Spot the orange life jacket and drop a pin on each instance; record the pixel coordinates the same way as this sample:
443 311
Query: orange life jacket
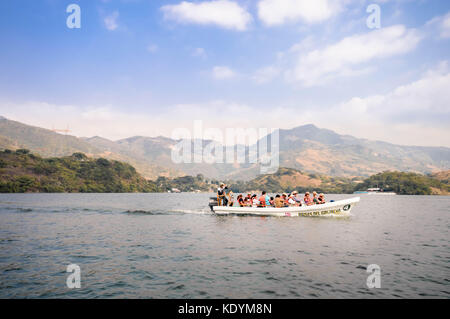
262 201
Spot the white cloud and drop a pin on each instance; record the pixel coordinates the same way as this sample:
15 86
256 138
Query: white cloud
277 12
110 21
345 57
110 122
266 74
223 73
429 94
199 52
223 13
84 121
97 114
152 48
416 113
443 25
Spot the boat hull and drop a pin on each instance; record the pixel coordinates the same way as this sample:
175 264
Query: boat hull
342 207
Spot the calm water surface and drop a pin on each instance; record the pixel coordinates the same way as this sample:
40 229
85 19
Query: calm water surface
170 246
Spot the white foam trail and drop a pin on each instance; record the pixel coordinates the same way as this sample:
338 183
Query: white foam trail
195 212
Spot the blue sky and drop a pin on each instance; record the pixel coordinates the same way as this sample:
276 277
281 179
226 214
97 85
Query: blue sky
146 67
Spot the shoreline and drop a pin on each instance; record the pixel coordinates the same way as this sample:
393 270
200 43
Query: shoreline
211 193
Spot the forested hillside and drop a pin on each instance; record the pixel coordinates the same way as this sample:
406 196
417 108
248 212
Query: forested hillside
21 171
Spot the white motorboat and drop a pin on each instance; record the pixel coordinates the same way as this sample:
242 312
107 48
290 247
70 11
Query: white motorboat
341 207
375 191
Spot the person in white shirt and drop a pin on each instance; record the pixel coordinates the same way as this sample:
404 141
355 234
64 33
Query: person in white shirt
291 201
255 201
297 198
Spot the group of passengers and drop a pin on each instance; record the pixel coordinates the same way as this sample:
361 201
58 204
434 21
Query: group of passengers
264 200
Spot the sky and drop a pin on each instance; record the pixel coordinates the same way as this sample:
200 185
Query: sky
148 67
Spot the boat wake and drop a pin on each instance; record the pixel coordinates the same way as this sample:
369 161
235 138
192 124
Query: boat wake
147 212
167 212
194 212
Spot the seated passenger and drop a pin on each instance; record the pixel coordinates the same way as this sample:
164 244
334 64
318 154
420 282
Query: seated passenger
248 200
244 199
296 198
230 199
240 200
264 200
292 201
271 201
278 202
307 199
321 199
268 201
255 201
315 199
284 197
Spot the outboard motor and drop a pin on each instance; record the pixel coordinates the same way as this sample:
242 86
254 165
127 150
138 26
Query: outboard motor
213 202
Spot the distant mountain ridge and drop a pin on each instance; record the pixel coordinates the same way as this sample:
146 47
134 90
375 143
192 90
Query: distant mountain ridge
42 141
15 135
306 148
312 149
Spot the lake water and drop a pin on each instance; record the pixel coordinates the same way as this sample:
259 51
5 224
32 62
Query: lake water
170 246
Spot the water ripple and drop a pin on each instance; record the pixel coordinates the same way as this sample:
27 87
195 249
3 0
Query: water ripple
171 246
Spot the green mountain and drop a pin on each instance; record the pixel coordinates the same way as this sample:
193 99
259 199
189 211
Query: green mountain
288 180
406 184
21 172
24 172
